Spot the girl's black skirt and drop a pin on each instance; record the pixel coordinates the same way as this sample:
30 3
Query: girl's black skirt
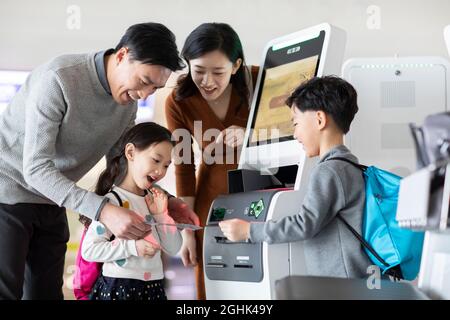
107 288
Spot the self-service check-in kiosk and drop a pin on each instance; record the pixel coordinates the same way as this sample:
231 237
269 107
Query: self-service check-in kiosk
273 170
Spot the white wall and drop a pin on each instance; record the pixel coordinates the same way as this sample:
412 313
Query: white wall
32 32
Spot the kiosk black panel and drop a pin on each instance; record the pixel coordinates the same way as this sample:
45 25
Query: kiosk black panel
235 261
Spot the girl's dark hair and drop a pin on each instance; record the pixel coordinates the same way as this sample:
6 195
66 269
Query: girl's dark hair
206 38
152 43
142 136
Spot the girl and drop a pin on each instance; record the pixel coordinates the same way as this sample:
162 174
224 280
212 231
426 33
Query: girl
132 269
216 93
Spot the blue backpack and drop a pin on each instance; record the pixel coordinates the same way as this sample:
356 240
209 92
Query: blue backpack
397 251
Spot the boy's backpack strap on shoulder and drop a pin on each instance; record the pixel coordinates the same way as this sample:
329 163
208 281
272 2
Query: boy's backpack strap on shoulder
359 166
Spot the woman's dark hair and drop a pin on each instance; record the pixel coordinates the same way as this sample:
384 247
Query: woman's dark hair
330 94
142 136
206 38
152 43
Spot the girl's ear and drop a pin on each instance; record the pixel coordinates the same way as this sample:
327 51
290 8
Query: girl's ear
322 120
129 151
236 66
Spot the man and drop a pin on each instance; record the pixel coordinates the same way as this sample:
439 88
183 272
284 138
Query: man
65 118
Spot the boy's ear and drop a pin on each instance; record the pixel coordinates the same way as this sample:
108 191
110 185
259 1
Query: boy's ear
129 151
322 120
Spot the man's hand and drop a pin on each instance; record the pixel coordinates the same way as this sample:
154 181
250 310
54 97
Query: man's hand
181 213
124 223
235 229
146 249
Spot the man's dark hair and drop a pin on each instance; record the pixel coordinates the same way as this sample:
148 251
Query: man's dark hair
151 43
329 94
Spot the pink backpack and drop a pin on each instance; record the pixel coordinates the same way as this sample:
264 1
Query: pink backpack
86 273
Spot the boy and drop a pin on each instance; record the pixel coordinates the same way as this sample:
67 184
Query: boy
322 110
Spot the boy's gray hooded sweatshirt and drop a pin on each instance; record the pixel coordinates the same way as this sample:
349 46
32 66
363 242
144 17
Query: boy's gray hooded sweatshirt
330 248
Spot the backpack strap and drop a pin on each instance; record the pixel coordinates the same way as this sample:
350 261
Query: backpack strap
116 195
393 271
357 165
362 241
349 227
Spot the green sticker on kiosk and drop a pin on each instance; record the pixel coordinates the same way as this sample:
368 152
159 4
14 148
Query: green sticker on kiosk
218 214
256 208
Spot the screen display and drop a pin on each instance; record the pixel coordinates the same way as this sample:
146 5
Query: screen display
284 70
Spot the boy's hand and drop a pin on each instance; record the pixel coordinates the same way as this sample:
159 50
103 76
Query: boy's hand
235 229
145 249
156 201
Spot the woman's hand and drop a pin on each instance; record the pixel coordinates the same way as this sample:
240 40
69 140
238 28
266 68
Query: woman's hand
156 201
188 249
233 136
181 211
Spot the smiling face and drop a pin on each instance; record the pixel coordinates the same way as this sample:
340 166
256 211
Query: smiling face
131 80
306 130
148 166
211 73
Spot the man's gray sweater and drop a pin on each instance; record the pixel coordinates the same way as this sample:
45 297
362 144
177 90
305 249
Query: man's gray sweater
330 248
57 127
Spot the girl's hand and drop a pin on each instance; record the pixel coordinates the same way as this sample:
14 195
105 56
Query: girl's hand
145 249
156 201
188 250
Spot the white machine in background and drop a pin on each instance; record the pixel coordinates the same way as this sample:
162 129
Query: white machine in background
447 37
273 170
393 92
424 203
424 200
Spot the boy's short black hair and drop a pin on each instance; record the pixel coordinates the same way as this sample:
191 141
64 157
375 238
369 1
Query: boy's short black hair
329 94
152 43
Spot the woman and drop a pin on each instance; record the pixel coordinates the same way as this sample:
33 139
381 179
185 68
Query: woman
211 102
